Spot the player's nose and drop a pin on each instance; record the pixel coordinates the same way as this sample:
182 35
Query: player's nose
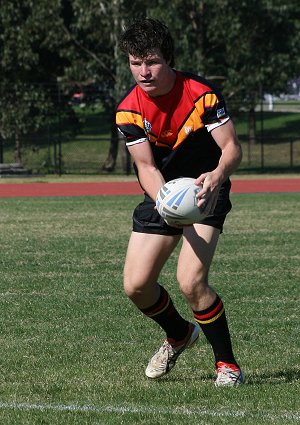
144 71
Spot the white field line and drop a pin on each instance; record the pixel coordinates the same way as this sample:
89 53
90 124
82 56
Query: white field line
150 410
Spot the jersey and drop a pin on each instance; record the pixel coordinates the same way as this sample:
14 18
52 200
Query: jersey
178 125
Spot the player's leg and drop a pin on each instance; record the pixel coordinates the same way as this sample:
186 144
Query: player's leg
196 254
198 248
146 256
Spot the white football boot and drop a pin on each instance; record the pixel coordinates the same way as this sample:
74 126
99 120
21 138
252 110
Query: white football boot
165 358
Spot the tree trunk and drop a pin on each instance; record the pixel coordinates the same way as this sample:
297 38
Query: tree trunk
126 158
110 162
252 127
18 149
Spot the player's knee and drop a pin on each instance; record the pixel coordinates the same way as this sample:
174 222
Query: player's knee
193 285
130 289
133 287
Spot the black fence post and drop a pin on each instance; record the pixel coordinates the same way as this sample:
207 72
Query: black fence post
59 129
1 150
262 153
291 153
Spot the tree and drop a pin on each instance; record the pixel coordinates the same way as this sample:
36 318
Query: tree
29 41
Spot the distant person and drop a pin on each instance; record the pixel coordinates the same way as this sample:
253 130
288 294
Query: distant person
176 125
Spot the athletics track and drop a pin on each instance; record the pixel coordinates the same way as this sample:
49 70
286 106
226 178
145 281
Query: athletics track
10 190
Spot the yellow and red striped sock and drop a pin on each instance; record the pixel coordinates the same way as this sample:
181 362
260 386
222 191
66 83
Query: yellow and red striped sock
214 325
165 314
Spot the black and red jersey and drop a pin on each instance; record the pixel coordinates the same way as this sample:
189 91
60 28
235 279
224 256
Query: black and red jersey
177 125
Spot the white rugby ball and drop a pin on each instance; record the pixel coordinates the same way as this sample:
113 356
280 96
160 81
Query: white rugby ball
177 202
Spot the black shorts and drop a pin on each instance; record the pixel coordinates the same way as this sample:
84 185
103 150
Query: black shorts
147 220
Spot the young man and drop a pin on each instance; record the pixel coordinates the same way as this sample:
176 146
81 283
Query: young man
176 125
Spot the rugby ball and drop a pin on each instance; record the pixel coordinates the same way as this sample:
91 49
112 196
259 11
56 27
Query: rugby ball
177 202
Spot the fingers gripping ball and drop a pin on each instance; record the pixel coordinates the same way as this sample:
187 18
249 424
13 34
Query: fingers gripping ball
176 202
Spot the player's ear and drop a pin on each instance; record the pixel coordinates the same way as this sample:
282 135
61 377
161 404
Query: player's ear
171 62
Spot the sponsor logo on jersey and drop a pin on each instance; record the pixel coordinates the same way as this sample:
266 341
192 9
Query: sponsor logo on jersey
147 126
166 133
188 130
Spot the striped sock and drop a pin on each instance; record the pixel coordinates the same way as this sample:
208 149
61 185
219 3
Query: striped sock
214 325
165 314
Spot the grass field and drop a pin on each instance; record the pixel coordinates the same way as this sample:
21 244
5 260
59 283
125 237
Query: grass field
73 348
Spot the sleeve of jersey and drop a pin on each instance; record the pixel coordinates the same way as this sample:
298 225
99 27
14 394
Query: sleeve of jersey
215 112
130 124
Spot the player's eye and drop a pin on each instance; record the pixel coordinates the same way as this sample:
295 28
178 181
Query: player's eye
152 62
135 63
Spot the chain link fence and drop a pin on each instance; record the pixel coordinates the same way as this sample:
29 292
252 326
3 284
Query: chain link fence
86 143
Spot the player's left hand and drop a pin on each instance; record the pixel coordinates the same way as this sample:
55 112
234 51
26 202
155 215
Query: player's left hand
208 195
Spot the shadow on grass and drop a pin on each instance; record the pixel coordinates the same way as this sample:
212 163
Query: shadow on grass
257 378
274 377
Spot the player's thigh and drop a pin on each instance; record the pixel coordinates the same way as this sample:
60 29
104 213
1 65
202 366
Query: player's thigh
198 248
146 256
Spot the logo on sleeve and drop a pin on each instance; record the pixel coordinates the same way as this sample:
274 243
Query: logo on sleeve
221 113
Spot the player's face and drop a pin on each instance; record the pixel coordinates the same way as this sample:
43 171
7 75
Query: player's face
152 73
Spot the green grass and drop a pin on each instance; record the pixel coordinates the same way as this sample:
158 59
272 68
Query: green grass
73 348
275 125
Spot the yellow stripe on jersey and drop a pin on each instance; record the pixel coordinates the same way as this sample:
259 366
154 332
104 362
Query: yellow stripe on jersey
210 100
129 117
192 124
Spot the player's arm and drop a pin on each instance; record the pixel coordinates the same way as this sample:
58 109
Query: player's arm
231 156
226 138
149 175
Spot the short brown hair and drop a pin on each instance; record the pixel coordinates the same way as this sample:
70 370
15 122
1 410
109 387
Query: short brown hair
145 35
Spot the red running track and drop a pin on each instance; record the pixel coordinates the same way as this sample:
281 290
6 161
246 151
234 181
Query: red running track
10 190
